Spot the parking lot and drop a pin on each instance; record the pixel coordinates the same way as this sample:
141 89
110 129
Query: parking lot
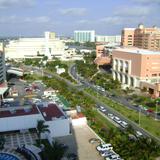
79 143
21 93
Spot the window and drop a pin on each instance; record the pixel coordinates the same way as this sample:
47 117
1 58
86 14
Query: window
154 75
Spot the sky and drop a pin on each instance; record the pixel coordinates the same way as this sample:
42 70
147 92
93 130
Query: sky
106 17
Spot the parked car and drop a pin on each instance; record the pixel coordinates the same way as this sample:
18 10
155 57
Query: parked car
106 153
113 157
104 147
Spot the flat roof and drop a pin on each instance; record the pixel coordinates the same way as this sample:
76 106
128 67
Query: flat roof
138 51
18 112
51 111
129 28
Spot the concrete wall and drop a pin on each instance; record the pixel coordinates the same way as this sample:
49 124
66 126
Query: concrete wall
59 127
19 122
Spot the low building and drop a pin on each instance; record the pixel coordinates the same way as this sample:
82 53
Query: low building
109 39
135 67
22 118
49 92
60 70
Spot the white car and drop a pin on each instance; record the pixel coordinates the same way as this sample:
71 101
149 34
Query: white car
124 124
106 153
118 121
104 147
139 134
113 157
117 118
111 116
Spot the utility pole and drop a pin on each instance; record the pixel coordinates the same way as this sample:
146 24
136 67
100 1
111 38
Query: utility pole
156 110
140 114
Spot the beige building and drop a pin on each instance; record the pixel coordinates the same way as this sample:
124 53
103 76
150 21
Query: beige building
139 68
102 55
142 37
127 38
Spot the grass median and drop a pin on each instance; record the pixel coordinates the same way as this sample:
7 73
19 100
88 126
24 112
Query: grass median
146 122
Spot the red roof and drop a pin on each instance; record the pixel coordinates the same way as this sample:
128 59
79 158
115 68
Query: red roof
18 112
52 111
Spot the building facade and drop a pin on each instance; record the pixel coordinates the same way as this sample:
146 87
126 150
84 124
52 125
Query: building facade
137 68
24 118
22 48
108 39
3 84
127 37
84 36
2 64
142 37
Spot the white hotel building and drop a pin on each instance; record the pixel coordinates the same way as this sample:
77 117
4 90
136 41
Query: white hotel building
25 118
22 48
84 36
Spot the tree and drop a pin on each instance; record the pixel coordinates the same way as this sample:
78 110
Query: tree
55 151
2 142
41 128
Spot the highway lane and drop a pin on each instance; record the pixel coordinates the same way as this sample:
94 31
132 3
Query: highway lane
121 100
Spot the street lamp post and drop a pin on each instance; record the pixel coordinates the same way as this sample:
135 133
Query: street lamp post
156 110
140 115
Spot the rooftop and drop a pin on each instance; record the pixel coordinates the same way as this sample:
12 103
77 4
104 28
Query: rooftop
18 112
50 112
135 50
129 28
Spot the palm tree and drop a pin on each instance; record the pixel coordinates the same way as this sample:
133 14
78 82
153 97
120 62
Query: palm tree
55 151
41 128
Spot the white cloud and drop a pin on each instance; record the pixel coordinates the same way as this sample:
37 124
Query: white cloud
147 1
133 11
74 11
17 20
83 21
112 20
120 20
14 3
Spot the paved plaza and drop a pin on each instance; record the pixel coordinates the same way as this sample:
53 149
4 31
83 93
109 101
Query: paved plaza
19 139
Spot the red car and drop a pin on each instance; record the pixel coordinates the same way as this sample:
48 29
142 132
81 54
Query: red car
150 110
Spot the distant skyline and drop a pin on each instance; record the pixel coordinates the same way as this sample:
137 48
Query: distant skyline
106 17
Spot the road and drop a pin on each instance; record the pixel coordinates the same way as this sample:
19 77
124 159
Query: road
72 71
118 99
99 103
